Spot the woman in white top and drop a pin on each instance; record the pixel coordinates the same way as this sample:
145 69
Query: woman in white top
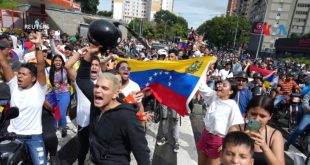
222 113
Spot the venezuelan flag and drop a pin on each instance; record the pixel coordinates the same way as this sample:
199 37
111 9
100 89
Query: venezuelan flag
183 44
265 73
173 83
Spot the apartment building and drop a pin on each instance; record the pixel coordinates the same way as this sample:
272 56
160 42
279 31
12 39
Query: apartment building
301 18
127 10
274 19
232 7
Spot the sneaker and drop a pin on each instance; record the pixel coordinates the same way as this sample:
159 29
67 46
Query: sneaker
64 132
176 147
162 141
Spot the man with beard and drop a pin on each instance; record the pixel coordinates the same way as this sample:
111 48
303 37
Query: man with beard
244 95
114 130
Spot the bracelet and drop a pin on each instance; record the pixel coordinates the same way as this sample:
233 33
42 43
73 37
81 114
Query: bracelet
38 49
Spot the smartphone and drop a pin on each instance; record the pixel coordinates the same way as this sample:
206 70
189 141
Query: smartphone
253 125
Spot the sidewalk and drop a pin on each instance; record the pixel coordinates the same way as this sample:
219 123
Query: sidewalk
164 155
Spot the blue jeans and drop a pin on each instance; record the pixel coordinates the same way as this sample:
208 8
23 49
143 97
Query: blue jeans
279 99
36 149
63 100
304 123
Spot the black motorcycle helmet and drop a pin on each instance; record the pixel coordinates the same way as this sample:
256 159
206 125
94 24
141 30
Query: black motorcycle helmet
257 75
105 33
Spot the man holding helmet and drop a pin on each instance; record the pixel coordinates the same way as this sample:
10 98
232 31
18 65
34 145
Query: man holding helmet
115 130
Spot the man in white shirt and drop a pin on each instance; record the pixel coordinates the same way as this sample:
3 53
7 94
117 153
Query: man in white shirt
30 81
226 72
129 87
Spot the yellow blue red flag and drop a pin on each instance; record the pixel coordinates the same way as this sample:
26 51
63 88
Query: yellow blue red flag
173 83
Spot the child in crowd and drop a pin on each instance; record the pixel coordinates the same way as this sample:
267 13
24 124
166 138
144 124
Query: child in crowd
238 148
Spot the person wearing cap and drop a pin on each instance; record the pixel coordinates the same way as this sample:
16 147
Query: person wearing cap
162 54
305 121
244 95
257 82
30 51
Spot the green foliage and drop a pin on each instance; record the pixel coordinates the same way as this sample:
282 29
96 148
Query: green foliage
220 31
294 35
8 4
307 35
164 16
89 6
303 60
166 25
105 13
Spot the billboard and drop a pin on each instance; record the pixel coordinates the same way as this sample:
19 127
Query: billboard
301 45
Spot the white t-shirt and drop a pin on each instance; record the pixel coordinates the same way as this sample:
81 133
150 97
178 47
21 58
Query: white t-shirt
224 74
29 56
130 87
82 108
221 114
29 102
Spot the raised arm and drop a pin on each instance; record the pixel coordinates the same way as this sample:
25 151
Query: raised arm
83 73
69 66
53 46
41 78
6 68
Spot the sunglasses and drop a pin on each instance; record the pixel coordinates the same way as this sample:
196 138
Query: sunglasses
125 68
241 80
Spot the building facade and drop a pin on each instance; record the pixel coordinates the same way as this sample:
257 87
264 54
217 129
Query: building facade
273 19
127 10
301 18
232 7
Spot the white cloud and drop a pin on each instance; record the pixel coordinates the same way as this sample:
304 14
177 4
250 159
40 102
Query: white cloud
198 11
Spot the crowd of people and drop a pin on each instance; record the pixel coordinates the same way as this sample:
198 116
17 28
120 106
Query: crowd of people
42 73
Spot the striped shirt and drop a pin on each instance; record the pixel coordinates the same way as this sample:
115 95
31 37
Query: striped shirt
287 87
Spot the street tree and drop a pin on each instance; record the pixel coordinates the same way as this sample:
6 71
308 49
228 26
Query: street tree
169 25
221 31
89 6
105 13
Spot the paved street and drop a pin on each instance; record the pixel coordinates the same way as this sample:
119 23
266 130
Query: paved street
190 129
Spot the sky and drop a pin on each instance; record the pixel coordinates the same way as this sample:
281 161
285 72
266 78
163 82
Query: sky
195 12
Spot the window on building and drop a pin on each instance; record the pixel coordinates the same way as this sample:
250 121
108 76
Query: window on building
303 5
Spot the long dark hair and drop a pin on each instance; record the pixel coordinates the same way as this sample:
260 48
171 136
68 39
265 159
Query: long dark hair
265 102
233 87
52 70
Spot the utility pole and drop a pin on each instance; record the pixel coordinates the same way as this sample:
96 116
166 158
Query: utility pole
261 33
236 32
